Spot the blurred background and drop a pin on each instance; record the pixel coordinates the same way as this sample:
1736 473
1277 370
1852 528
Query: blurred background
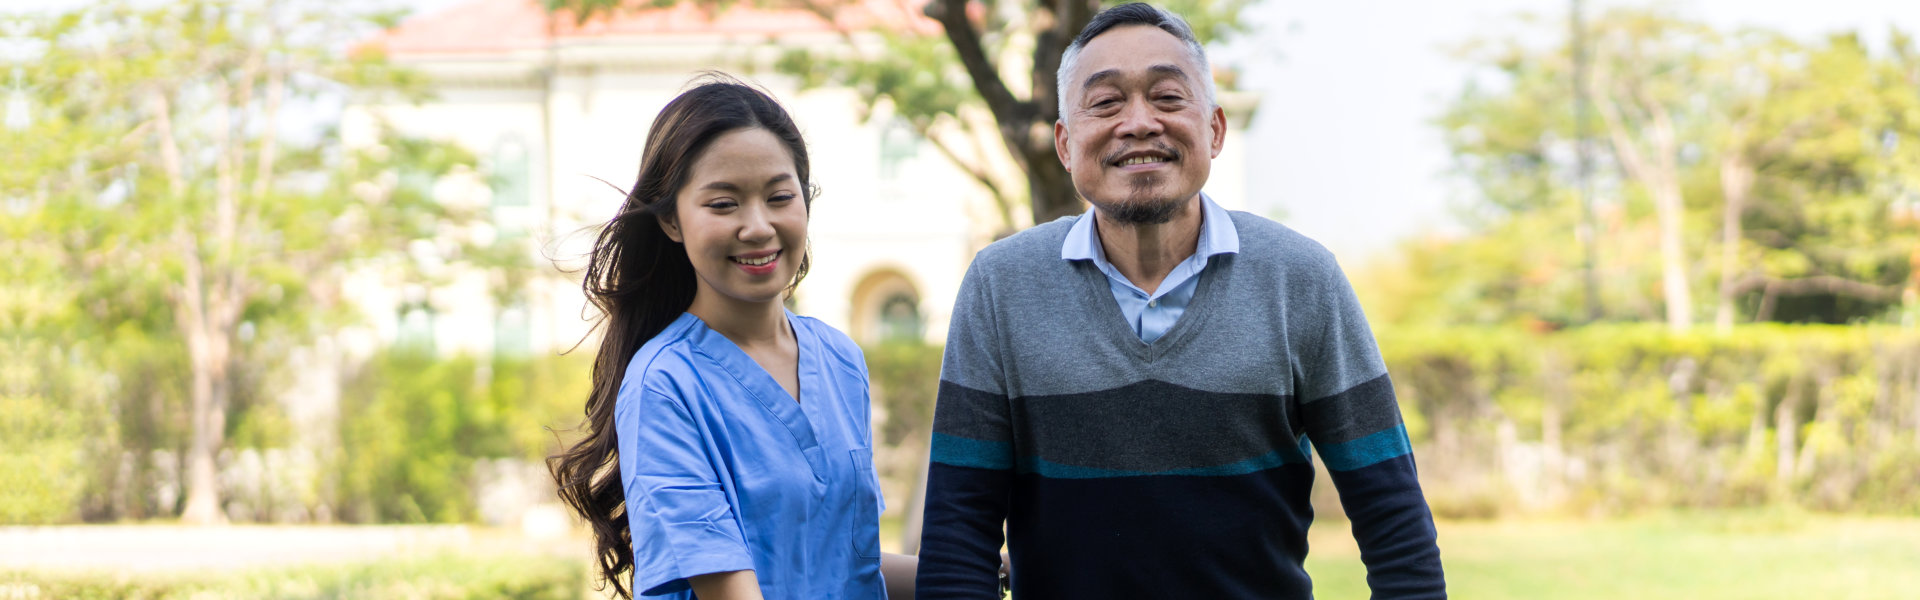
291 285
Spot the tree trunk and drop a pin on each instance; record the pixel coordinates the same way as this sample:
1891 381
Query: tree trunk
209 354
1657 168
1786 431
209 301
1051 186
1026 126
1671 209
1736 183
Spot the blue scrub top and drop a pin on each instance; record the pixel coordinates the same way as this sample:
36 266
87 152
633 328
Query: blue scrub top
724 471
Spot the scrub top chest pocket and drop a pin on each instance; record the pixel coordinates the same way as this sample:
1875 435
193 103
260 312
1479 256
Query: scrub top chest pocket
866 505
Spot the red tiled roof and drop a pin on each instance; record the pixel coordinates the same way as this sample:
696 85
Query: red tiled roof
485 26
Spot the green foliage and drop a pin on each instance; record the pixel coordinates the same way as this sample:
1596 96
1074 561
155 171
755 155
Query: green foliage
1622 417
440 577
905 378
1796 160
413 426
174 223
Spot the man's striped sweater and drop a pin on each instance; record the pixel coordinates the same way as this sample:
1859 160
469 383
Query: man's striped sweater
1175 469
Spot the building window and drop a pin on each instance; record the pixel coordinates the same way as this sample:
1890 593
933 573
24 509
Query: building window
886 308
900 319
898 144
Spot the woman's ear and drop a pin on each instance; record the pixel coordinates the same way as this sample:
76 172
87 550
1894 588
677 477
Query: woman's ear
672 230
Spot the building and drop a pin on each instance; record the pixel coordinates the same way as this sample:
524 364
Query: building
558 110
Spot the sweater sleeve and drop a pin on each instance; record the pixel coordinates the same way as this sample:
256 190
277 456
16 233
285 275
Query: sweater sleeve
1353 420
971 470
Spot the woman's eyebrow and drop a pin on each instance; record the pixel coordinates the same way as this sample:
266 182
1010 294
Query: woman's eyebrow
728 186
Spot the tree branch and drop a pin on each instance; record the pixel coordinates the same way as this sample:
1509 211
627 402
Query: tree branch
269 140
1623 145
978 173
1818 284
169 147
1012 114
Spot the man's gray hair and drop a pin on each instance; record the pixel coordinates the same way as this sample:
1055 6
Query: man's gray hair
1136 13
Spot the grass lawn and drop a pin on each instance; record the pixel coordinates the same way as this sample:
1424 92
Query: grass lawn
1703 555
442 576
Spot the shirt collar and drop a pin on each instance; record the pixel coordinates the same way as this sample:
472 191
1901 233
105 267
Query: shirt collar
1217 235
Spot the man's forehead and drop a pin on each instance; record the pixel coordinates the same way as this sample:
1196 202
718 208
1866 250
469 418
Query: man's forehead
1134 50
1133 40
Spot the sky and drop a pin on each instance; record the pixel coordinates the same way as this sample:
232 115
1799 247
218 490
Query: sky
1343 149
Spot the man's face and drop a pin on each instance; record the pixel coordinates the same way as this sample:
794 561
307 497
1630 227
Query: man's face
1139 136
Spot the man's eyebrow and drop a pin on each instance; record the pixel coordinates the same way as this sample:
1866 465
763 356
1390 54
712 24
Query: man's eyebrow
1170 70
1162 70
1097 78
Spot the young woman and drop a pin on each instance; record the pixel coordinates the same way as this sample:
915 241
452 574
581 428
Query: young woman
727 450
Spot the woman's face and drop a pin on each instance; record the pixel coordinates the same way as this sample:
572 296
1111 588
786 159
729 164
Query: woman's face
742 218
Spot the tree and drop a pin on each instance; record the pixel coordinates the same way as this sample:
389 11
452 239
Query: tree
1642 80
1799 150
182 183
991 69
1815 148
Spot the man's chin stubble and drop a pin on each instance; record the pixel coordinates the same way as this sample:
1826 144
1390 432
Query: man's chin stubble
1141 207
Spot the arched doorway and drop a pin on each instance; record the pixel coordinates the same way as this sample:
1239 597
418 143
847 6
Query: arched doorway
886 308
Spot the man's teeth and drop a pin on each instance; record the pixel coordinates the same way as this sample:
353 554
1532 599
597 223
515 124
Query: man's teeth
1141 160
756 261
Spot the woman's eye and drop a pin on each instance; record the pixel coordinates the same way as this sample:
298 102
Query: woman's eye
780 198
721 204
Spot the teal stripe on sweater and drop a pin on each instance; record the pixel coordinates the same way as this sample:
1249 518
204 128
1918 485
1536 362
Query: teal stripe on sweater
1253 465
965 452
1374 448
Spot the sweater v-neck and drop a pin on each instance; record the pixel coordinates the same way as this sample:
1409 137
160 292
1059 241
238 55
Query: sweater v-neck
1114 324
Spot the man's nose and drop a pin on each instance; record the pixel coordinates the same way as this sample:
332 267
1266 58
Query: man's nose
1137 120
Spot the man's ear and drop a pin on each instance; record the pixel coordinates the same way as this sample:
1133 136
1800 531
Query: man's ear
1060 144
1218 123
672 230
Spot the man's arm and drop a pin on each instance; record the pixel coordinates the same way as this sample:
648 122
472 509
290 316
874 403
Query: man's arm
1353 419
971 474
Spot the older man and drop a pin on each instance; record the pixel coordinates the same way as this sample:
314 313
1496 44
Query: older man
1136 393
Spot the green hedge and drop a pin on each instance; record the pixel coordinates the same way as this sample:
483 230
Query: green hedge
412 427
1615 417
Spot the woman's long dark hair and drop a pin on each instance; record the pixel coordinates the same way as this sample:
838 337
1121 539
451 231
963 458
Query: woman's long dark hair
641 281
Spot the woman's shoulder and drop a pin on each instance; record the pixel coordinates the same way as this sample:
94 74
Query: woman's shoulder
663 360
839 348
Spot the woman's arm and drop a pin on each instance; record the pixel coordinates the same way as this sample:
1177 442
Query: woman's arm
731 585
899 571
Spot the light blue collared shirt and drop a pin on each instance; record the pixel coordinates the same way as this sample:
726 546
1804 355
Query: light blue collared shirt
1151 315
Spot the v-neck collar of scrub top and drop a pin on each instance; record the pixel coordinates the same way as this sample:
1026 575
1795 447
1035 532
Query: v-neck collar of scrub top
762 386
